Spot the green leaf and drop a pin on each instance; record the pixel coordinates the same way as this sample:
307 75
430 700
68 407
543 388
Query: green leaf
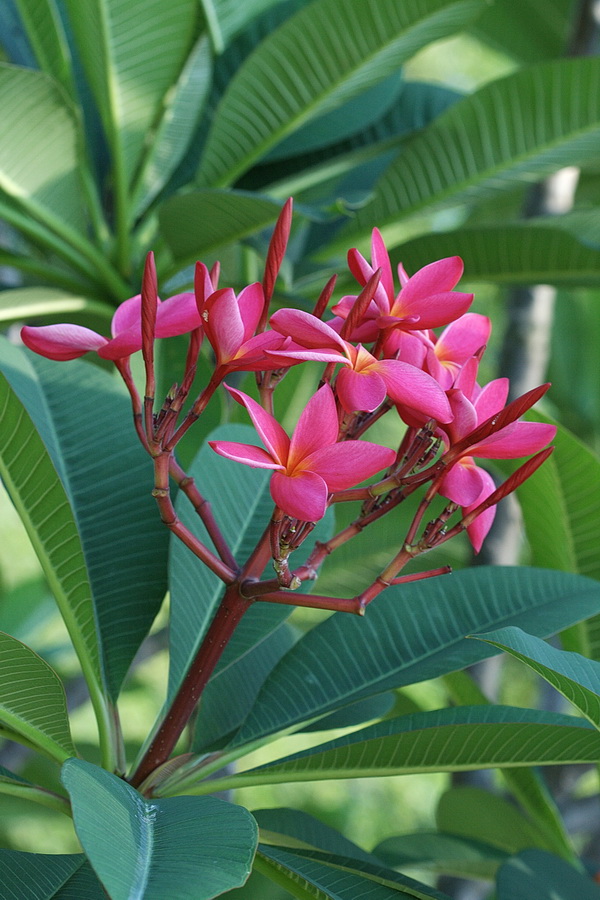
445 853
447 740
509 254
197 223
475 814
184 848
52 304
294 828
46 34
574 676
40 876
44 507
489 142
132 52
530 32
412 633
226 18
38 153
308 877
329 52
108 480
32 699
172 136
534 873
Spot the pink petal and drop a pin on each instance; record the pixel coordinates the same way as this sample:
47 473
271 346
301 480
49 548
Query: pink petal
463 338
443 374
434 310
124 344
478 530
362 271
360 391
346 464
307 330
177 315
523 438
317 427
245 453
302 496
223 324
203 286
466 380
412 387
127 316
292 357
435 278
465 416
251 301
491 399
271 433
61 342
259 353
463 483
380 260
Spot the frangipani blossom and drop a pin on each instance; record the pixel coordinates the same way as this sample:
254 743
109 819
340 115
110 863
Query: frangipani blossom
364 381
466 483
176 315
460 341
230 322
425 300
310 465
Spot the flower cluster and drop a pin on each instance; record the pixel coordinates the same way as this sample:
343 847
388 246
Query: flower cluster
380 353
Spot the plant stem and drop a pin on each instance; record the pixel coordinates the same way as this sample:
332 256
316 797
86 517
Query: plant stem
223 625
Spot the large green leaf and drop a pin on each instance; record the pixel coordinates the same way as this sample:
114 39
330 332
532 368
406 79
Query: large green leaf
197 223
108 480
44 507
447 853
509 254
294 828
185 849
574 676
534 873
38 152
226 18
132 53
464 738
330 51
411 633
46 34
53 305
32 699
489 142
179 117
530 32
309 877
40 876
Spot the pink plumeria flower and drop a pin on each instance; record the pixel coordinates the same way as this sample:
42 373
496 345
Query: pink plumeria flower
230 322
177 315
364 381
425 300
310 465
466 483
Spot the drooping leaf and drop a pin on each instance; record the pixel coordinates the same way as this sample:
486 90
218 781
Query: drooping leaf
411 633
447 740
509 254
184 848
32 699
489 142
41 876
330 51
439 852
534 873
574 676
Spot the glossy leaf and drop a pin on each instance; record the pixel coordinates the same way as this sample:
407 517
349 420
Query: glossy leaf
294 828
32 699
313 878
197 223
226 18
447 740
330 51
547 876
489 142
184 848
132 52
446 853
38 154
173 134
411 633
41 876
509 254
574 676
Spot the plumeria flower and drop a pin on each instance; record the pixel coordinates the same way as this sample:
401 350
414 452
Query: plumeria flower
310 465
230 322
466 483
364 381
177 315
425 300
